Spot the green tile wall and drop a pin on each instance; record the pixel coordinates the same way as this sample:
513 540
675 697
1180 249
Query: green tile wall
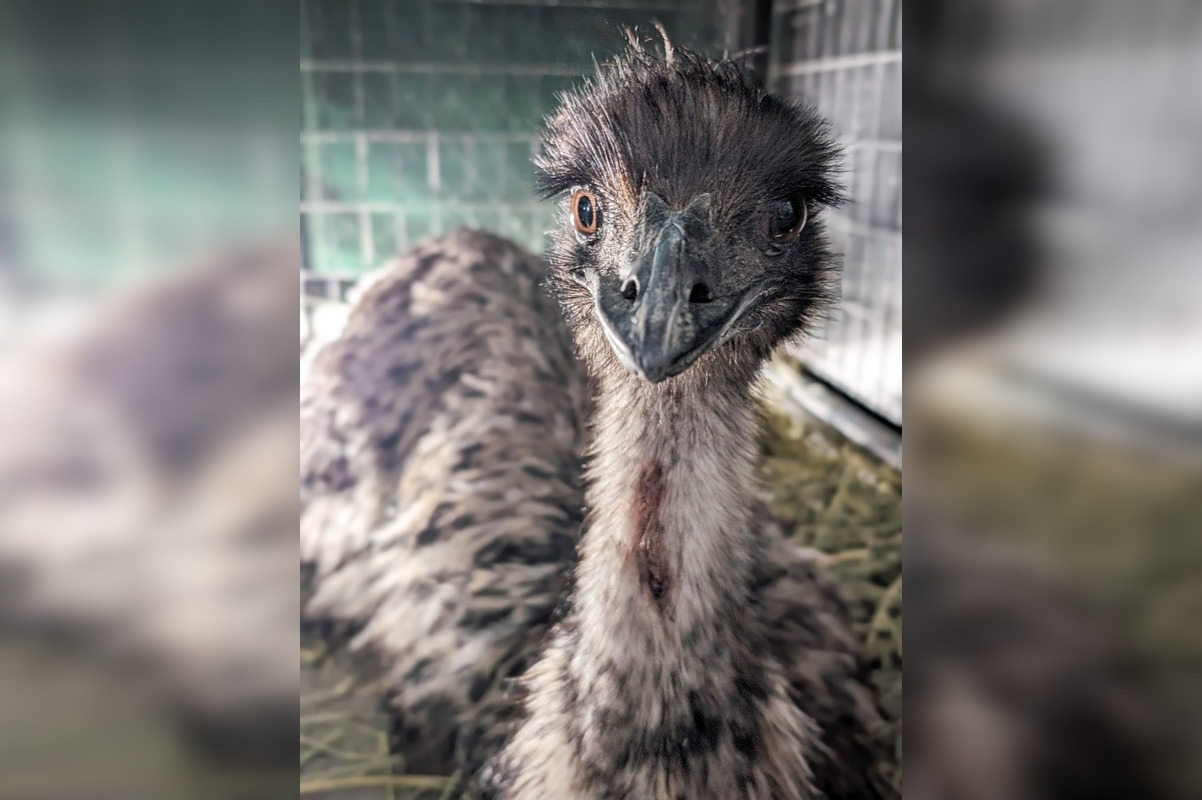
134 135
419 116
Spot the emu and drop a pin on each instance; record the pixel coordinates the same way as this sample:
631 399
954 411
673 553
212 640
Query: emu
697 653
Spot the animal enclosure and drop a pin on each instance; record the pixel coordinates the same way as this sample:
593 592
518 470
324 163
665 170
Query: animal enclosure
419 117
422 117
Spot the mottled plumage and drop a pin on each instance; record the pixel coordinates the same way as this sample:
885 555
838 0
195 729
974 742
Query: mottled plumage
147 510
739 676
701 654
439 482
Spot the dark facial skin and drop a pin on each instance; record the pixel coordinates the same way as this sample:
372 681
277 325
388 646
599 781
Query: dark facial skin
689 213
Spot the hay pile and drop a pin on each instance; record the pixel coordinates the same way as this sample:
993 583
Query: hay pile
831 496
344 736
836 498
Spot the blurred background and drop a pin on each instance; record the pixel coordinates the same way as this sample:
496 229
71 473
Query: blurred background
148 262
1053 361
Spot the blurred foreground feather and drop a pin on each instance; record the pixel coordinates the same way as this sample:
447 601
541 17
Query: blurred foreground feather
147 527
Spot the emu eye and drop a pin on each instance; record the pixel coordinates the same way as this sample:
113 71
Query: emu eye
786 218
586 215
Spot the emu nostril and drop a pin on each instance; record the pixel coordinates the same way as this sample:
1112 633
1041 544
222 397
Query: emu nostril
630 289
700 294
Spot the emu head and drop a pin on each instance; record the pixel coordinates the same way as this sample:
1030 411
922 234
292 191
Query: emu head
689 231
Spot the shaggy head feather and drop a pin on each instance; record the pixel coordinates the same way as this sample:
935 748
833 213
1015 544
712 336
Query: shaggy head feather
680 140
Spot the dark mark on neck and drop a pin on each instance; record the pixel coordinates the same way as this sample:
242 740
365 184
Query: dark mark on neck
649 550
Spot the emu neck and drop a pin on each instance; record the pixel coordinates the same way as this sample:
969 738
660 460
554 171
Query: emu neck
672 543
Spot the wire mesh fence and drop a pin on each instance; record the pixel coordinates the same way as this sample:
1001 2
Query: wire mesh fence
421 116
845 57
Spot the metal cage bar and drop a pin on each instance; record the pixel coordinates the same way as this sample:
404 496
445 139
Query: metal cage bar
844 57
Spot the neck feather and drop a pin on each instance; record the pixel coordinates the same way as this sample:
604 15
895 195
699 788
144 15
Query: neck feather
672 541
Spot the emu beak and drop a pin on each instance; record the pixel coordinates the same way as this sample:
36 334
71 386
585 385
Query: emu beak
661 316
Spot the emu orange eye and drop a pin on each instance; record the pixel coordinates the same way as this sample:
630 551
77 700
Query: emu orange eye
786 218
586 215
